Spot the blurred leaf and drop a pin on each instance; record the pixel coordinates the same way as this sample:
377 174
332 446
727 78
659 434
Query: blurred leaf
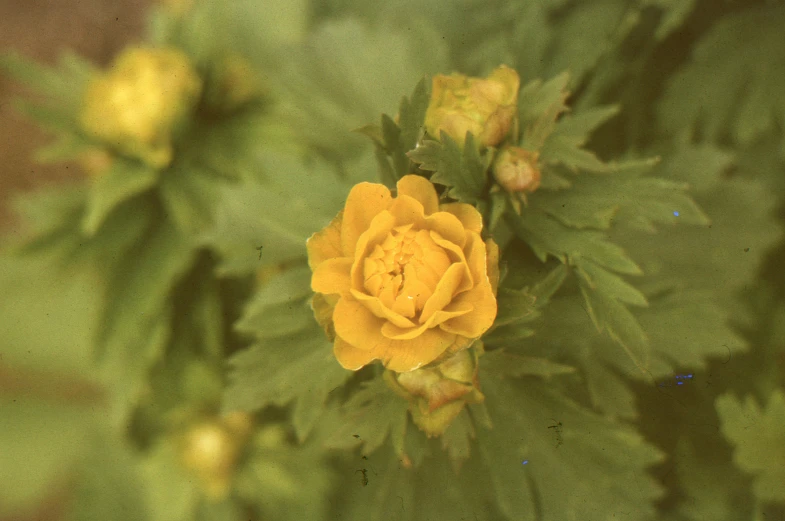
121 182
721 92
280 215
759 438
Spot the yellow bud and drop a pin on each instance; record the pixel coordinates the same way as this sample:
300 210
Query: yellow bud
135 105
211 450
516 170
437 395
486 107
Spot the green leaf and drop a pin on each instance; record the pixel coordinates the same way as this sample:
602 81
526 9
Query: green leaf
370 415
548 237
135 325
278 215
720 92
171 493
674 14
758 434
568 474
284 481
503 364
539 105
563 144
190 195
462 171
123 181
457 439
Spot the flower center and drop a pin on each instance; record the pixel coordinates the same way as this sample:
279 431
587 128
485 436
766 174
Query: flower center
404 269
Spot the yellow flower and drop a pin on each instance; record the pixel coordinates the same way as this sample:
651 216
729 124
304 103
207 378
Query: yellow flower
403 280
516 170
486 107
211 450
437 395
138 102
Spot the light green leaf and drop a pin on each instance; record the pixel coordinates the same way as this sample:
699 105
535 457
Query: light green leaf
758 434
123 181
278 215
539 105
190 195
462 171
502 363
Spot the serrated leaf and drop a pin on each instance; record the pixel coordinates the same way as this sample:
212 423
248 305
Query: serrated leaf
463 172
299 367
600 279
548 237
411 114
514 306
121 182
758 434
543 465
371 415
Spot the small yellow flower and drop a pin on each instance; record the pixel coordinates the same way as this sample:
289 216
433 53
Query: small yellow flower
211 450
437 395
486 107
135 106
403 280
516 170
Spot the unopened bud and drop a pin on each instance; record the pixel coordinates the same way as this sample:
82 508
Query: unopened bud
516 170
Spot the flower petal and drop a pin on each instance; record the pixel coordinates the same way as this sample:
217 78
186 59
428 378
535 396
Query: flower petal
350 357
332 276
365 201
356 324
325 244
407 211
474 324
445 289
399 333
378 229
421 189
459 258
476 257
375 306
407 355
466 213
448 226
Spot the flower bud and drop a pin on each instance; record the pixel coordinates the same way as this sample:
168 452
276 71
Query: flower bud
135 106
211 450
516 170
486 107
437 395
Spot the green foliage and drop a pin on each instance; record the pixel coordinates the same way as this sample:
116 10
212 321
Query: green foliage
721 93
463 171
290 349
758 435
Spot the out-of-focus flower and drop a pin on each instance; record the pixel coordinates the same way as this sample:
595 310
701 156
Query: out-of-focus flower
437 395
237 83
516 170
135 106
211 450
404 280
486 107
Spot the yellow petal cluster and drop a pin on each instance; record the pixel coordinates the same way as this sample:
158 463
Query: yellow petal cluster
135 105
403 279
486 107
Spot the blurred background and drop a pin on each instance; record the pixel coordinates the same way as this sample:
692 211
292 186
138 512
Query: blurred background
40 30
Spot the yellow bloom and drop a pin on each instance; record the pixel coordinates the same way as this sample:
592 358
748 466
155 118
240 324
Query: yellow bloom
136 105
516 170
404 280
437 395
486 107
211 450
